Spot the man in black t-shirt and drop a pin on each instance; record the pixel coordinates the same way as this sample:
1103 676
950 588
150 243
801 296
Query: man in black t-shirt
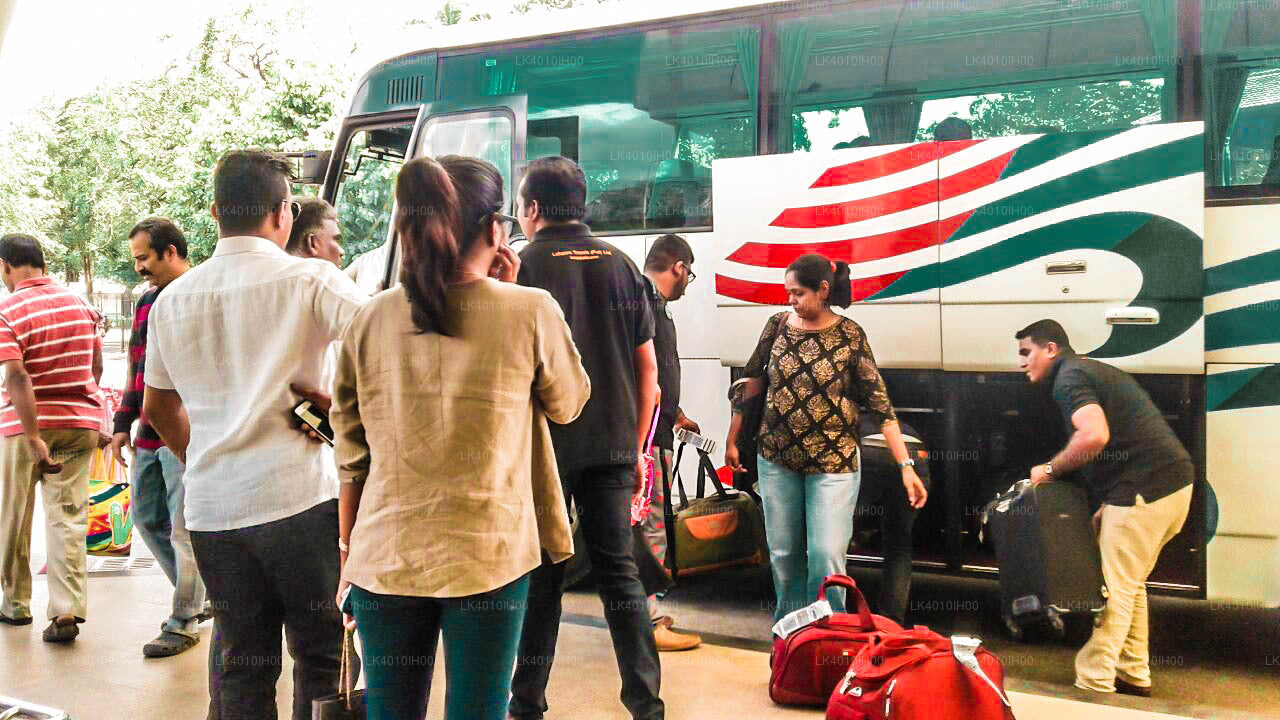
1134 464
601 454
669 269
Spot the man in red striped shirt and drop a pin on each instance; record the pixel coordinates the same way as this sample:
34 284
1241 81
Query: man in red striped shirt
50 416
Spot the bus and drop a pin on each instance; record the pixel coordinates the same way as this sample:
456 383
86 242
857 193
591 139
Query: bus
1119 171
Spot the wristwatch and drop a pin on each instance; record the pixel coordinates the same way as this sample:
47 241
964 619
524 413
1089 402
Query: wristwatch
906 463
1048 469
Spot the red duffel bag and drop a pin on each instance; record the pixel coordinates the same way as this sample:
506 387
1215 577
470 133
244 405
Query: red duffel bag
810 662
918 674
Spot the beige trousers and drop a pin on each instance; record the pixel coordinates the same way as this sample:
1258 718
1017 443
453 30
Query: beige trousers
66 510
1130 540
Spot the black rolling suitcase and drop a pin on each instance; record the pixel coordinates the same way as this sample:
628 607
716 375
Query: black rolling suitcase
1048 556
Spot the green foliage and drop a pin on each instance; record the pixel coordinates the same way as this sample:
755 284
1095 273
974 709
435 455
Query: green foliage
80 174
1068 108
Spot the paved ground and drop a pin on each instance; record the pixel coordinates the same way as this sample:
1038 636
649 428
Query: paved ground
1208 661
103 676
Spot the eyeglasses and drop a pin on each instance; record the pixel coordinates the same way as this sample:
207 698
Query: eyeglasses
692 275
295 207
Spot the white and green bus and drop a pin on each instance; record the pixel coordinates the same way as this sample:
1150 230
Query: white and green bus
1122 176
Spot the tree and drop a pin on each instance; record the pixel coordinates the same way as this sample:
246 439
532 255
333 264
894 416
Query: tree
1068 108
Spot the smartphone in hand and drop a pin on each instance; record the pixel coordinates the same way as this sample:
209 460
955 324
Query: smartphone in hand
316 419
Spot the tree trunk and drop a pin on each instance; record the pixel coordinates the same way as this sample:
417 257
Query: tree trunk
88 276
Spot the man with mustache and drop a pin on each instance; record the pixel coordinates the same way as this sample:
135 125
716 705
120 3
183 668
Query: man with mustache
159 252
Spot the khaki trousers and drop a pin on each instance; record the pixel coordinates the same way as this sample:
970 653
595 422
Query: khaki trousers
1130 540
66 510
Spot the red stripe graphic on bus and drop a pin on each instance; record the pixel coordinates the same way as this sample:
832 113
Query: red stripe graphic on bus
873 247
853 250
894 162
776 293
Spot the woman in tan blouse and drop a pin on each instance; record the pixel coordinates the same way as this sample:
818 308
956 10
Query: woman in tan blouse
450 493
816 367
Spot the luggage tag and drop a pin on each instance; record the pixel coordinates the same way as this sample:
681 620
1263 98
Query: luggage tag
803 617
965 650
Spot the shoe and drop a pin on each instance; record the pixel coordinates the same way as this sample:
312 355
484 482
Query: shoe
203 617
61 632
15 621
168 644
669 640
1127 688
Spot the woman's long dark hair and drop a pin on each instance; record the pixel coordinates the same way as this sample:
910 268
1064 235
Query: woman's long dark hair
426 220
479 187
812 269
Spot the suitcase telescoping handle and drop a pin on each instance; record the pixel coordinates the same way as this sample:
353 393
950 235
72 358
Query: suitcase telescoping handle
846 582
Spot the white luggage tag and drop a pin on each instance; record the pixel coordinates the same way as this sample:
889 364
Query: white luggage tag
965 650
803 617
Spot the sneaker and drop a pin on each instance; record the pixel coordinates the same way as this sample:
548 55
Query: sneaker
59 632
669 640
169 644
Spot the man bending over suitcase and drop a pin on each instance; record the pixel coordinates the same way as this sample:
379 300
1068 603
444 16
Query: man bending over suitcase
1133 463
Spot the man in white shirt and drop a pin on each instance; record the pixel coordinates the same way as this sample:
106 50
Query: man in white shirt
227 340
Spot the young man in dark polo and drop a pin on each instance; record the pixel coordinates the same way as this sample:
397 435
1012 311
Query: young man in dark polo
1134 464
600 455
669 268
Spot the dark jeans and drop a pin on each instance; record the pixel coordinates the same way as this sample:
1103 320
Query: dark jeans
259 578
603 497
888 498
399 636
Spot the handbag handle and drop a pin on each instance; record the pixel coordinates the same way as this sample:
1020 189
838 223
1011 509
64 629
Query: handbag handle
344 672
844 581
684 499
707 468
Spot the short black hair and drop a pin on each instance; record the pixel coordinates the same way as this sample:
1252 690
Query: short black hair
666 251
953 128
312 216
21 250
1043 332
248 186
163 233
559 187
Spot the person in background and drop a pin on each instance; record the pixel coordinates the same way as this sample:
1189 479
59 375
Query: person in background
953 128
159 251
315 233
52 415
450 491
601 454
226 343
1135 467
816 367
669 269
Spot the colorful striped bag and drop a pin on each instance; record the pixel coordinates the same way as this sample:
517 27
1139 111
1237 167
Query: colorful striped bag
110 522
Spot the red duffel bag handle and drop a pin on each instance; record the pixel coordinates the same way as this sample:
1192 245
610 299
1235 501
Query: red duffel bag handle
846 582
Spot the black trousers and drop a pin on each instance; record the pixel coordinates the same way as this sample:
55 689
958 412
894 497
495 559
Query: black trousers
603 497
888 499
262 578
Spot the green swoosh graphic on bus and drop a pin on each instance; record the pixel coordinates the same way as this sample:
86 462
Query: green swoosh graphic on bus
1170 160
1239 389
1168 254
1051 147
1243 326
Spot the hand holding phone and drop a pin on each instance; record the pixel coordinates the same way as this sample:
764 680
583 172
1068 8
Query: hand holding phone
316 419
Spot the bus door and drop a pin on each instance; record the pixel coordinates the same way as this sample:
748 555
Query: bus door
490 128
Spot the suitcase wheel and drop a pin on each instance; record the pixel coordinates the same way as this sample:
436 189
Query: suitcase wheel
1058 627
1015 630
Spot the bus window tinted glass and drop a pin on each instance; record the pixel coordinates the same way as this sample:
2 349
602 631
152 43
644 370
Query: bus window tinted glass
888 71
480 135
644 114
1241 42
366 191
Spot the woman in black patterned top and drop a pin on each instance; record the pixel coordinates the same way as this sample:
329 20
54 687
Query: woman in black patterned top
816 367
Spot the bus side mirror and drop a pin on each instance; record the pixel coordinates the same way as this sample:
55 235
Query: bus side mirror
315 164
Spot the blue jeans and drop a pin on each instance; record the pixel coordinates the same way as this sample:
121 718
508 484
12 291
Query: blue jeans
808 519
157 513
399 635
